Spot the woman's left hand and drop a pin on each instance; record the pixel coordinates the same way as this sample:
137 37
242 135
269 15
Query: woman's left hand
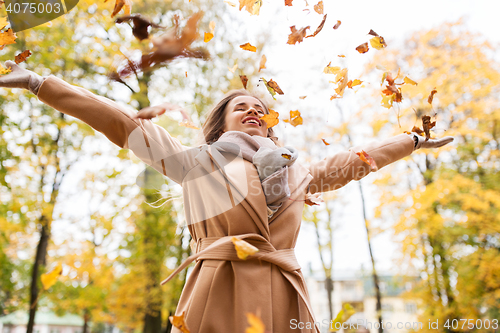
420 141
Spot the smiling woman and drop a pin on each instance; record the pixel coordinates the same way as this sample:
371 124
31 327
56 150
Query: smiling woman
240 185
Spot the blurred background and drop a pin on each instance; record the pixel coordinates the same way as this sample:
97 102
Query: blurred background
417 241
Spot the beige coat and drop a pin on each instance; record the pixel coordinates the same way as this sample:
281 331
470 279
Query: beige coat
225 200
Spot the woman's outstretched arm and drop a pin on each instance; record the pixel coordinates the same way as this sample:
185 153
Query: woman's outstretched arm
150 142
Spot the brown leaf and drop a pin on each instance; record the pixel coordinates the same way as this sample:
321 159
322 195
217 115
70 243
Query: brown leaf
22 56
373 33
319 8
319 28
431 96
302 97
141 24
275 87
244 80
417 130
248 47
337 25
363 48
427 125
296 36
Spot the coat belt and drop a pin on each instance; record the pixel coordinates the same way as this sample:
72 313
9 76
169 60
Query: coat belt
222 248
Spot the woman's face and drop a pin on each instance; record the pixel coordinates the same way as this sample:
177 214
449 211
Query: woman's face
242 114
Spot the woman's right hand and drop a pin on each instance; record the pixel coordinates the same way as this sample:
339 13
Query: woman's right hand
21 78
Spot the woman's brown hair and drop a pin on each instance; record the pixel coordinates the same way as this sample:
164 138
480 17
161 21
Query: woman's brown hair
214 124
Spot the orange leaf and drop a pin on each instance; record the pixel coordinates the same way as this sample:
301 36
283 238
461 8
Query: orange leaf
302 97
287 156
326 143
179 323
119 4
243 249
319 28
368 160
256 324
288 2
208 37
252 6
431 96
354 83
272 84
263 61
295 118
7 37
296 36
248 47
22 56
319 8
363 48
271 119
417 130
244 80
337 25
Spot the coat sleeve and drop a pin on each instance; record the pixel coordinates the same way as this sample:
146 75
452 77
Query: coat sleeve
336 171
150 142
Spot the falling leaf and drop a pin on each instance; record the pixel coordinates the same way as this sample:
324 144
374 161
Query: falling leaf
337 25
244 80
373 33
243 249
179 322
427 125
288 2
208 37
313 199
417 130
378 42
256 324
4 70
319 8
326 143
248 47
431 96
262 64
387 100
22 56
341 56
368 160
354 83
410 81
252 6
331 70
343 315
272 87
188 124
230 3
296 36
3 22
186 74
126 5
49 279
295 118
140 25
319 28
341 79
363 48
287 156
271 119
302 97
7 37
232 70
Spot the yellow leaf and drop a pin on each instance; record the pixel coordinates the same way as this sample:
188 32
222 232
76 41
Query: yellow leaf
295 118
232 70
387 100
342 317
378 42
179 323
252 6
211 25
331 70
271 119
208 37
3 22
410 81
7 37
354 83
256 324
243 249
49 279
4 70
248 47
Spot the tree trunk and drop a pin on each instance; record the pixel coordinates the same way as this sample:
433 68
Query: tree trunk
86 319
40 262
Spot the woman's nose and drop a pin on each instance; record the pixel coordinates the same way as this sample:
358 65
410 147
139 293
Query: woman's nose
252 110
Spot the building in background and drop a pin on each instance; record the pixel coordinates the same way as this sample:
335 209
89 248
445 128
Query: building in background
45 322
358 290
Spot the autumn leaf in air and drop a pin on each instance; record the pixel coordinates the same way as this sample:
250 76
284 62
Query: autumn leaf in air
272 87
368 160
326 143
243 249
252 6
256 324
302 97
248 47
271 119
288 2
363 48
141 24
340 79
373 33
244 80
230 3
4 70
295 118
378 42
331 70
296 36
232 70
49 279
427 125
354 83
431 96
21 57
319 28
337 25
7 37
210 35
126 5
410 81
179 323
319 8
263 61
3 22
343 315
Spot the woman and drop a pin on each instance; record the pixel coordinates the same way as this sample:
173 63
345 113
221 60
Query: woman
238 184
